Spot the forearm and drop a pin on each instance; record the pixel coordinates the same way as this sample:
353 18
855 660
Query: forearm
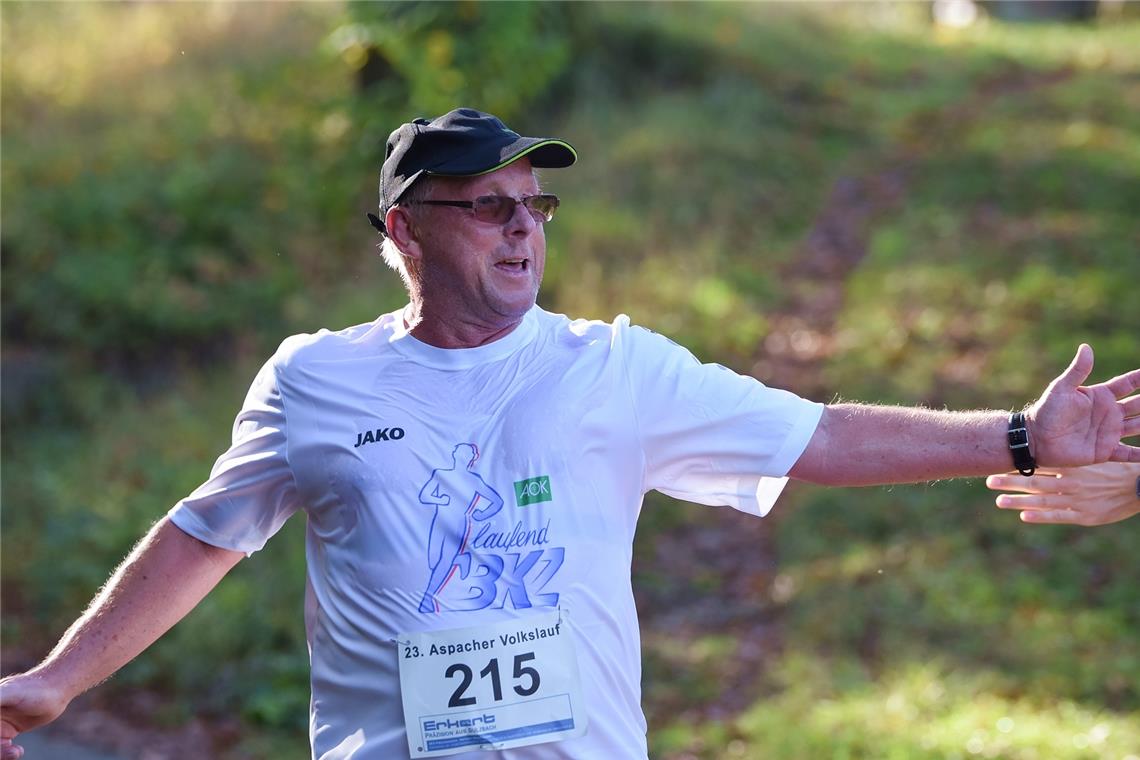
158 584
859 444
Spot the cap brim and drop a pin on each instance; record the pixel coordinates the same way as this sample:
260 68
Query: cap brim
544 153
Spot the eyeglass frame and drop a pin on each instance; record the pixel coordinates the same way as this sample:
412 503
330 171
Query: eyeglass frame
540 218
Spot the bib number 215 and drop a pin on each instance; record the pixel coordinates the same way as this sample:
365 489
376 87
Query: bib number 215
522 673
495 686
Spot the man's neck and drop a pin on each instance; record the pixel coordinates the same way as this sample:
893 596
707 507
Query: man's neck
441 332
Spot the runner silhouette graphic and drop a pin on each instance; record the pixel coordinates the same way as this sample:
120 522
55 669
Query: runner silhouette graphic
456 494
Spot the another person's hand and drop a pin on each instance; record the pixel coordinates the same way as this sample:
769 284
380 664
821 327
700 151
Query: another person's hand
1097 494
27 701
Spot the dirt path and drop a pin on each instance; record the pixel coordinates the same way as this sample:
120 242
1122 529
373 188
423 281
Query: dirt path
735 554
87 733
45 745
94 729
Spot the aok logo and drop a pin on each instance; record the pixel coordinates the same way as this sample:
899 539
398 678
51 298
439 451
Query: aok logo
379 434
533 490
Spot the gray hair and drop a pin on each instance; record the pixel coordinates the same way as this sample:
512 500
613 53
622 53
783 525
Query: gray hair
391 254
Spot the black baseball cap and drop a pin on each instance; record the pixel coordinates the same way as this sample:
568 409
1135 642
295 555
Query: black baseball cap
461 143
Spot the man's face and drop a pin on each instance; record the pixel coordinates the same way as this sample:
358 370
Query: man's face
474 272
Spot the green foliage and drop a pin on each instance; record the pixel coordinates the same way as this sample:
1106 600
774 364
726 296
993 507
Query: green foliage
179 174
927 604
432 57
185 184
143 454
1028 247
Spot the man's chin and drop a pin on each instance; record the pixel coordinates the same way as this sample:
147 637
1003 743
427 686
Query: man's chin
518 303
517 310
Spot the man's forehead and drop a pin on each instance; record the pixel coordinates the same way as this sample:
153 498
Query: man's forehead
510 180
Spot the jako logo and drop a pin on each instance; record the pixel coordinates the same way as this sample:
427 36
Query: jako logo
379 434
533 490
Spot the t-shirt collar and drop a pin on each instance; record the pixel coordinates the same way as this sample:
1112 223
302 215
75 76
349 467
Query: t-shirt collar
462 358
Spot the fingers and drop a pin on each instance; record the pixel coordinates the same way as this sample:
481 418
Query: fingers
1055 516
1125 453
10 751
1030 501
1130 427
1130 406
1121 385
1041 508
1080 369
1042 482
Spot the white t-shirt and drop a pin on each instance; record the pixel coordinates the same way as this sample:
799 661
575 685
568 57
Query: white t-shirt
454 488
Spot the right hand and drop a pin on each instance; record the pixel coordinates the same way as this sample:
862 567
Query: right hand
27 701
1096 494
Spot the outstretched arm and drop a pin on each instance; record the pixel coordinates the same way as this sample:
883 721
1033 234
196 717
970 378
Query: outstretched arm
1070 425
159 582
1097 494
861 445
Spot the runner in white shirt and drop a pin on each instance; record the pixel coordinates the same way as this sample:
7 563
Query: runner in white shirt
472 467
444 490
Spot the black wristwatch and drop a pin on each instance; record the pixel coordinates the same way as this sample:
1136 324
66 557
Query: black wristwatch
1019 445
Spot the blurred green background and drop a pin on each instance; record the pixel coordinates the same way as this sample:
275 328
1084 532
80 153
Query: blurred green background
841 199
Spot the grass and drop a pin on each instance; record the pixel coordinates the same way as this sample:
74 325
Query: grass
916 621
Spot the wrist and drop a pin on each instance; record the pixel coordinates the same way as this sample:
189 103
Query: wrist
54 678
1020 443
48 686
1031 433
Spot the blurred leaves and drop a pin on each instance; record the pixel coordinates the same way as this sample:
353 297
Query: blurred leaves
184 184
498 57
155 194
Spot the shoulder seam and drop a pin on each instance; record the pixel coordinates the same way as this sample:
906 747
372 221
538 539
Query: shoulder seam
285 419
633 405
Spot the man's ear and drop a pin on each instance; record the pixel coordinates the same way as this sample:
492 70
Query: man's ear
402 230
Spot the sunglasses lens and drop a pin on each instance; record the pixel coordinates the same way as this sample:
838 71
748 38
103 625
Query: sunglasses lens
543 205
497 209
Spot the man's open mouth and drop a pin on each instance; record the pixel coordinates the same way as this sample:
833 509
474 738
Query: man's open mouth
513 265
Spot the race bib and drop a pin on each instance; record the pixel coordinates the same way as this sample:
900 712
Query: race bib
491 687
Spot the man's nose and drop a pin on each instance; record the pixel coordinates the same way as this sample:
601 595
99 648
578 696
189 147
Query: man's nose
521 222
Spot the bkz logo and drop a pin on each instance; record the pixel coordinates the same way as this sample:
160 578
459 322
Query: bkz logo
462 541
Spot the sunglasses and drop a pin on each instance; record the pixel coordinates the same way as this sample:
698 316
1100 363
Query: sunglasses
500 209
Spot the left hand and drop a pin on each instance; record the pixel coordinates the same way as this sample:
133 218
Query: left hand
27 701
1073 424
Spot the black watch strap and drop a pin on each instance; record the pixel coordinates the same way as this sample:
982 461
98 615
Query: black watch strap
1019 444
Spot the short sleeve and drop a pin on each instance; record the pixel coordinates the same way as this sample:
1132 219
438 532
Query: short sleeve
710 435
251 492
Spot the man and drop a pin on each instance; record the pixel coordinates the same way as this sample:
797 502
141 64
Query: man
532 647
